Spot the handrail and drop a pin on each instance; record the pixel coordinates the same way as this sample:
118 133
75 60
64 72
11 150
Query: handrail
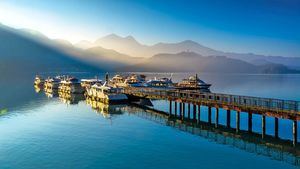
219 98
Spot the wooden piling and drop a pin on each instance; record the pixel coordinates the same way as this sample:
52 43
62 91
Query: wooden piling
217 117
209 114
250 122
237 125
228 118
263 126
295 128
276 125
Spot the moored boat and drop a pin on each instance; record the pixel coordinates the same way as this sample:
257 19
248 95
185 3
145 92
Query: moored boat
193 83
106 94
160 83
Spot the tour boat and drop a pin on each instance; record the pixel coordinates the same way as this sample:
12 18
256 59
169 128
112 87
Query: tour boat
161 82
106 94
135 80
193 83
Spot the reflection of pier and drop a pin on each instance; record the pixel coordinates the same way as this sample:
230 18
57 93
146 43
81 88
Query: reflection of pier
190 103
275 148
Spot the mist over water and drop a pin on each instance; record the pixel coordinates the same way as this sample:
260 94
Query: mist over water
41 132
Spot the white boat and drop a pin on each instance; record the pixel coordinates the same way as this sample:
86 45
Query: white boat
160 83
106 94
135 80
193 83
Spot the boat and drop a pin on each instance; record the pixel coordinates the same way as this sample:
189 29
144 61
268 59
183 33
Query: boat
193 83
132 80
106 94
39 81
117 81
70 85
86 83
160 83
135 80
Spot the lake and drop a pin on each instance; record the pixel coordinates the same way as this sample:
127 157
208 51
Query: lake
42 132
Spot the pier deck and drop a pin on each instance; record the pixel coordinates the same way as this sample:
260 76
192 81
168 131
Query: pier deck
267 106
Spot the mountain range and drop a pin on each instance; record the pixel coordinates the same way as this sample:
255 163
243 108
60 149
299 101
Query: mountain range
130 46
30 51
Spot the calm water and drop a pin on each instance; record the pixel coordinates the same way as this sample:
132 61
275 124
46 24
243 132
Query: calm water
41 132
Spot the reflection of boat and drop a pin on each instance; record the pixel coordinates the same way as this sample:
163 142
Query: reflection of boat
70 85
107 110
37 88
39 81
161 82
86 83
51 93
193 83
106 94
52 83
70 98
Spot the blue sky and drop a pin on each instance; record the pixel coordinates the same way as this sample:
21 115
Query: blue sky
270 27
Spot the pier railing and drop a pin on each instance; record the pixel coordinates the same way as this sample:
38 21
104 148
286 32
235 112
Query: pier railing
218 99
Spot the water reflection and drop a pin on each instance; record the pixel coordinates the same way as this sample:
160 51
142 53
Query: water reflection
269 146
106 110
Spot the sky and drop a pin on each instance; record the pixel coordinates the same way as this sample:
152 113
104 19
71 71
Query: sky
269 27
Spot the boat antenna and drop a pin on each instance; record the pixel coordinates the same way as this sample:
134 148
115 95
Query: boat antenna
196 80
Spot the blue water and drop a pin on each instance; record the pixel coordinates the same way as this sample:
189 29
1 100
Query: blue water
47 133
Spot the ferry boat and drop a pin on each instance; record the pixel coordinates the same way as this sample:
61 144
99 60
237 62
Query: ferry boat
160 83
117 81
87 83
39 81
70 85
193 83
135 80
106 94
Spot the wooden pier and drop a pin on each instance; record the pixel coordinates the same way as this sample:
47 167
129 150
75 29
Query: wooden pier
286 109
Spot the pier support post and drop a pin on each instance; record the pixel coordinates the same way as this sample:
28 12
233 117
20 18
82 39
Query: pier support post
209 114
276 127
194 111
183 110
237 125
250 122
175 108
199 113
295 128
189 111
263 126
228 118
217 117
170 108
180 109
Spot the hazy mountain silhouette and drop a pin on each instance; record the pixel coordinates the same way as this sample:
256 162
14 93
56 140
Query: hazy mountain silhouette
129 46
193 62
